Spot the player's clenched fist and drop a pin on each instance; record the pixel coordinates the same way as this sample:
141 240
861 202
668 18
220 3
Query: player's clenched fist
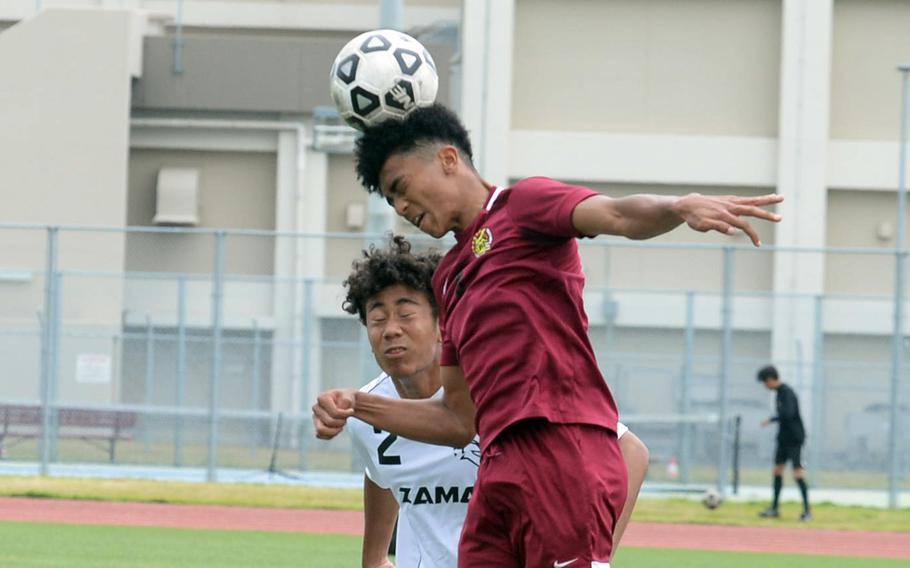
331 412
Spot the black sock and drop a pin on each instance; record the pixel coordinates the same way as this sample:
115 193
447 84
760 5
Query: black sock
778 483
804 489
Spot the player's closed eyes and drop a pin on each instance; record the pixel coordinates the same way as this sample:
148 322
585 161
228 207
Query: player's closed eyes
397 190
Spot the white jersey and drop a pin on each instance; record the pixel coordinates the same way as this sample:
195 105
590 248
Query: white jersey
432 485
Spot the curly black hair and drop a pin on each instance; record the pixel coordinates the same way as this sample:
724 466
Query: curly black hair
381 268
424 125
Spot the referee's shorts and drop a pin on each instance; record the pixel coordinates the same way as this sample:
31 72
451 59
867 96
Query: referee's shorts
791 453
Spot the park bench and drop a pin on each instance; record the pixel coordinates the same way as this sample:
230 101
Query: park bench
100 428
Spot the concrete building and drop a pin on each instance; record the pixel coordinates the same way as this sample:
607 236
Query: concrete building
626 96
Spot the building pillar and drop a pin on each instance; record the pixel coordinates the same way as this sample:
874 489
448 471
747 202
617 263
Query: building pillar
300 207
801 177
486 85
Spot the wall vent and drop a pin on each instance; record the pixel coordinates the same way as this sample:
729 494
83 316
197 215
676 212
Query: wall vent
177 197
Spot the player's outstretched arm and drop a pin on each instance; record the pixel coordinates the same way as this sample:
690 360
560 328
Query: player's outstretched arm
379 513
445 422
644 216
636 455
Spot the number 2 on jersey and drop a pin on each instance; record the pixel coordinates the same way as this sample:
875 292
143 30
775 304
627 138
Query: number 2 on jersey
388 441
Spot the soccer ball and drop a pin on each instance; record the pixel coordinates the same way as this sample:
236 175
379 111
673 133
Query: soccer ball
712 499
380 75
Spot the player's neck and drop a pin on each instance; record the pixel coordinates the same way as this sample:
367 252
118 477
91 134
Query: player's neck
423 385
476 193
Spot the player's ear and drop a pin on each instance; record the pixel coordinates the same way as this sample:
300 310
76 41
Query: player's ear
448 157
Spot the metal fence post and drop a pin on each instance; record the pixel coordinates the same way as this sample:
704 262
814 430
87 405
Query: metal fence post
737 430
50 333
611 311
686 390
897 368
149 379
178 40
255 378
818 394
215 378
305 378
726 356
900 262
181 369
257 355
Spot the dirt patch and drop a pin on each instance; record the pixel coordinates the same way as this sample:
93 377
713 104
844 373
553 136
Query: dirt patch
763 539
180 516
651 535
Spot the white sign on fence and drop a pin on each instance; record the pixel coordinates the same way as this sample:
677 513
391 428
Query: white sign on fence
93 368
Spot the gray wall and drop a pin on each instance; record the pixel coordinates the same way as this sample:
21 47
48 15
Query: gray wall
249 72
63 160
707 67
853 219
870 40
236 190
344 189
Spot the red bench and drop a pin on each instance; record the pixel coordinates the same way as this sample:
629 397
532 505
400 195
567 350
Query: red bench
21 422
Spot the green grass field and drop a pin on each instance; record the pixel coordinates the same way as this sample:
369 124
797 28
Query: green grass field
648 510
33 545
77 546
176 492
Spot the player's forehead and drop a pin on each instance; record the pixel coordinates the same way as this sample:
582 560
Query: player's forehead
396 295
402 165
391 174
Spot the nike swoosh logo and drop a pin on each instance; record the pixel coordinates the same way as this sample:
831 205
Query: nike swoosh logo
566 563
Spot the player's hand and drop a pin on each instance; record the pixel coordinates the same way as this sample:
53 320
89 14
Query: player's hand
331 412
765 422
384 564
726 213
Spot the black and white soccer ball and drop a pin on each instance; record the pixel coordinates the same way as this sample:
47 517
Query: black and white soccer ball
712 499
380 75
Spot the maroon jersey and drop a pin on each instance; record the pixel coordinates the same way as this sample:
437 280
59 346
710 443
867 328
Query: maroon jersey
512 315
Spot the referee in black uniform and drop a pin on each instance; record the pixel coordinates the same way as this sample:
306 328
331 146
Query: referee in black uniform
790 438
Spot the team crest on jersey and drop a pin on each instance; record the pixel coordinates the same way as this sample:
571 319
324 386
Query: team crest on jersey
482 241
470 453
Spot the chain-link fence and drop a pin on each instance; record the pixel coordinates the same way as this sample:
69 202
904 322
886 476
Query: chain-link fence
178 348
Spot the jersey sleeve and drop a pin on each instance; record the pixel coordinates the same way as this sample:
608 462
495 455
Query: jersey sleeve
363 449
545 206
449 355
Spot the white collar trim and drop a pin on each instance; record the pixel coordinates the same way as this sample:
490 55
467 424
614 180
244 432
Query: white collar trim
493 198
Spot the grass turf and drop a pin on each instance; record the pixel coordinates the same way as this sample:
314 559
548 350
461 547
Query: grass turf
33 545
661 558
176 492
29 545
647 510
827 516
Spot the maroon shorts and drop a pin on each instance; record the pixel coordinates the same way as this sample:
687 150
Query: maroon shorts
546 495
